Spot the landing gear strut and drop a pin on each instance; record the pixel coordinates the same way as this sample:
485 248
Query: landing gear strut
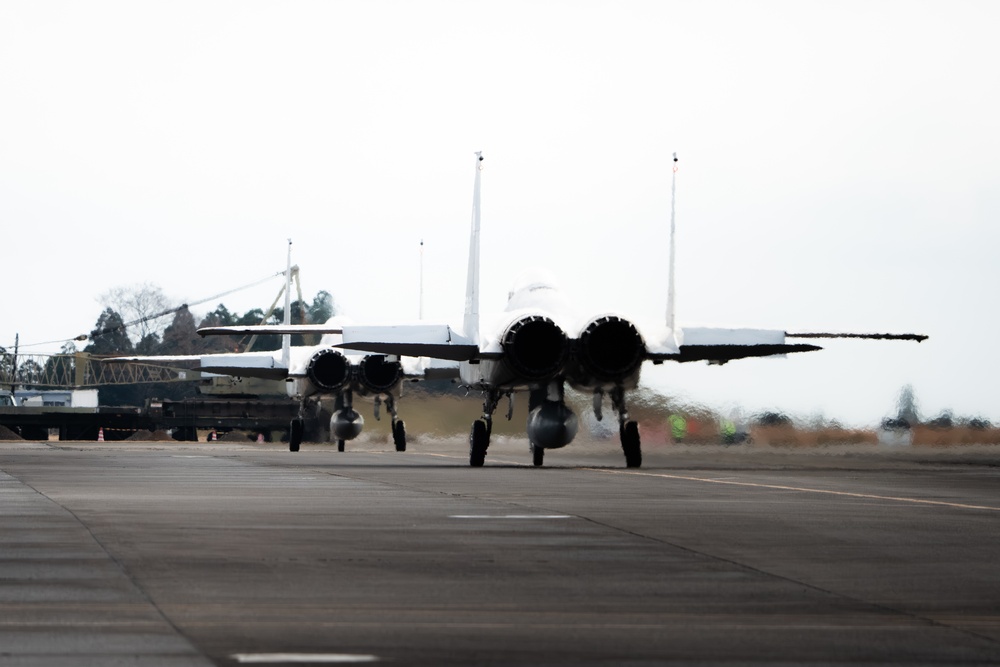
627 430
479 437
398 429
537 455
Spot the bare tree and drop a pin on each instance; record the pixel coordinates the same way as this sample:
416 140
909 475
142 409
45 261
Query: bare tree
140 307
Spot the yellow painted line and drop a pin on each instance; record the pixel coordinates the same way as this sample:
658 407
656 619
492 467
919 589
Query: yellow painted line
802 489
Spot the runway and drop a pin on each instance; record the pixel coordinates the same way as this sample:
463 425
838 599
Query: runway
230 553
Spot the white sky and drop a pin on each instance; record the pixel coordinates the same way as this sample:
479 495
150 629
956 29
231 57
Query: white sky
839 170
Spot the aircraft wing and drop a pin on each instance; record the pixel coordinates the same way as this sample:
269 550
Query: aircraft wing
717 345
265 365
263 329
412 340
869 336
151 359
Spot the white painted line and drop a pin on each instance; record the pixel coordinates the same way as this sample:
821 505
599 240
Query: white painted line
303 658
510 516
801 489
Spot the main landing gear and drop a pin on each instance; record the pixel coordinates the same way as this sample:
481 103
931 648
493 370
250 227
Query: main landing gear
399 435
479 437
295 429
628 431
398 428
479 442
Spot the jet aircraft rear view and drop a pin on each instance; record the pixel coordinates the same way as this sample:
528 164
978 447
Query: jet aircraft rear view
538 344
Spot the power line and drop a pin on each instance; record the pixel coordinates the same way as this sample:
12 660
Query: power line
169 311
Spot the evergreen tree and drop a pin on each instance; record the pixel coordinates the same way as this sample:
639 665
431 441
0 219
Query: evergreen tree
181 336
109 338
6 368
322 308
149 345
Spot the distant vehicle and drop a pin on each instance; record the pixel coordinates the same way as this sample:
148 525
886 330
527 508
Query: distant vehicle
8 400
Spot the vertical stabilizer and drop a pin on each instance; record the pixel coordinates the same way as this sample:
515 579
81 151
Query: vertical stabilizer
471 321
286 339
673 248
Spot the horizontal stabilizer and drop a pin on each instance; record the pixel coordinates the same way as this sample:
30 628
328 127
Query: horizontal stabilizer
263 329
870 336
414 340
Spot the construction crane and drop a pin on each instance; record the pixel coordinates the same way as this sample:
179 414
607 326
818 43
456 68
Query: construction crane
83 370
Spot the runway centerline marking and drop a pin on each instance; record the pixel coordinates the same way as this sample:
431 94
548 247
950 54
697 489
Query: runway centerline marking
304 658
803 489
510 516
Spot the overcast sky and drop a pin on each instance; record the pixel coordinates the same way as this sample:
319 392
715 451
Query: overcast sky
839 171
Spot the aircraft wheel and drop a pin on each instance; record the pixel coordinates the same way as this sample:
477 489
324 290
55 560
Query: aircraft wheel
295 435
479 442
630 445
340 445
399 436
537 455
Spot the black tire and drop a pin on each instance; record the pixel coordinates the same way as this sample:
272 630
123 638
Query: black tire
295 435
537 455
399 436
479 442
630 445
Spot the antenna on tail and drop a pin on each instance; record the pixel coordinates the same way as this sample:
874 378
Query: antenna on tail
673 248
286 339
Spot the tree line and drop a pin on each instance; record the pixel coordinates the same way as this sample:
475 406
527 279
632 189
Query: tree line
149 330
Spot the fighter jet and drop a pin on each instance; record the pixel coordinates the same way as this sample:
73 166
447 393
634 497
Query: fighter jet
315 373
539 343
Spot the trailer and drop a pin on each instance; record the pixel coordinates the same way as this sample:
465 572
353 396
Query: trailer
183 419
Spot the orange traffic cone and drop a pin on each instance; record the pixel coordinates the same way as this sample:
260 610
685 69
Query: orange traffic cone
212 437
100 434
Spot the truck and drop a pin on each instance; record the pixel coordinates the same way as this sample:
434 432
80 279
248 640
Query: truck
183 418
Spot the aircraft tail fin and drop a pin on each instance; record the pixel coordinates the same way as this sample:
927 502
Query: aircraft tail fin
286 339
471 321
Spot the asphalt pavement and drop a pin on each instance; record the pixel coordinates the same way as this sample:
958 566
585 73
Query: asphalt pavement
235 553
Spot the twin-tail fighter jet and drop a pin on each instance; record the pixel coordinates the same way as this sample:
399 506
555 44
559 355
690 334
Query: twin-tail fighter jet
313 373
539 344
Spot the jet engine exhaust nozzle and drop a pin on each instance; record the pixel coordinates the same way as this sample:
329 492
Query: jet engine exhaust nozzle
610 348
378 375
535 347
329 370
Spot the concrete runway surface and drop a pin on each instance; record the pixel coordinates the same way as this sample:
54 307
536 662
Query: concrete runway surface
229 553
